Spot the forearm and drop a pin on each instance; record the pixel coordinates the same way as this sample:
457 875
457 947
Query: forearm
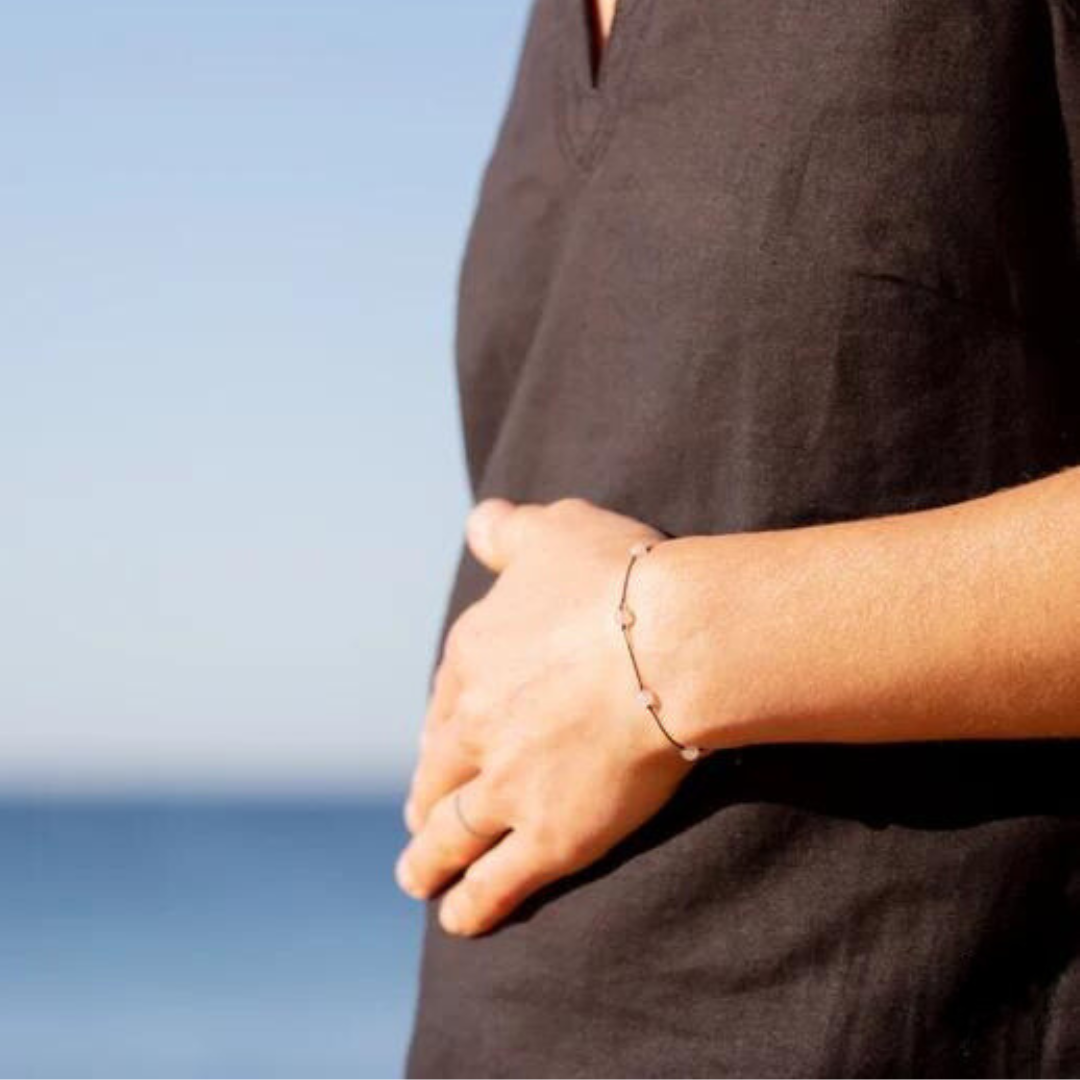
957 622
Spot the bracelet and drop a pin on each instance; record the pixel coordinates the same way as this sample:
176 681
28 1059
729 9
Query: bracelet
625 618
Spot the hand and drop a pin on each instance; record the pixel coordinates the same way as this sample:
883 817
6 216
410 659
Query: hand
536 757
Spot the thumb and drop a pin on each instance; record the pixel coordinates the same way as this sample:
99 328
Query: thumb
491 533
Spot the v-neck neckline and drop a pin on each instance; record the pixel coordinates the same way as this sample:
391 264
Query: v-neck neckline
598 40
589 105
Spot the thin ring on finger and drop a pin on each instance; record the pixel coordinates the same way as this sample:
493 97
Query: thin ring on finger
443 847
443 768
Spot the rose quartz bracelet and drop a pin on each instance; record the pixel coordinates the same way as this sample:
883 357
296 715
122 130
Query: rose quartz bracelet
625 618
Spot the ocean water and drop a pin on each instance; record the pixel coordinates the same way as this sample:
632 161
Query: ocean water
191 939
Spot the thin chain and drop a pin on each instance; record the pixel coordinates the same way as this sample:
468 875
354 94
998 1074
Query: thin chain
626 619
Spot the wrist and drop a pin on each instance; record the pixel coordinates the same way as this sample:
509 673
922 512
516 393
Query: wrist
702 644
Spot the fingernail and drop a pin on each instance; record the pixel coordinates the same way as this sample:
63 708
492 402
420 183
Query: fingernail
412 817
405 879
451 916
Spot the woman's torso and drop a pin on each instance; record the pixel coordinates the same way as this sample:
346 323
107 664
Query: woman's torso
788 263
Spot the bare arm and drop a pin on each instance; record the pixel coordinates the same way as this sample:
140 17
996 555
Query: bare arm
952 623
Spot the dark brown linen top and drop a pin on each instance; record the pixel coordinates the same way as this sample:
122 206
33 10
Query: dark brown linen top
791 261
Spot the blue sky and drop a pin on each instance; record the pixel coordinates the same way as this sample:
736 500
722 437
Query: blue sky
230 464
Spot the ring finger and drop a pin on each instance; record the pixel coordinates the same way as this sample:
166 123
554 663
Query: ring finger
443 766
461 826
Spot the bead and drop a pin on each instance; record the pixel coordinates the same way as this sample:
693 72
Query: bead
624 617
640 548
647 698
690 753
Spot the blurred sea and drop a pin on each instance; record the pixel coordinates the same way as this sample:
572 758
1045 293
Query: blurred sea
192 939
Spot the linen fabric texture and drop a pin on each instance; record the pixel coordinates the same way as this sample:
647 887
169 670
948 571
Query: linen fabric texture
786 262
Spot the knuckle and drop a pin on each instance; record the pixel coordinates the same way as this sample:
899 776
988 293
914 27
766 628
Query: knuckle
471 708
569 505
463 637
